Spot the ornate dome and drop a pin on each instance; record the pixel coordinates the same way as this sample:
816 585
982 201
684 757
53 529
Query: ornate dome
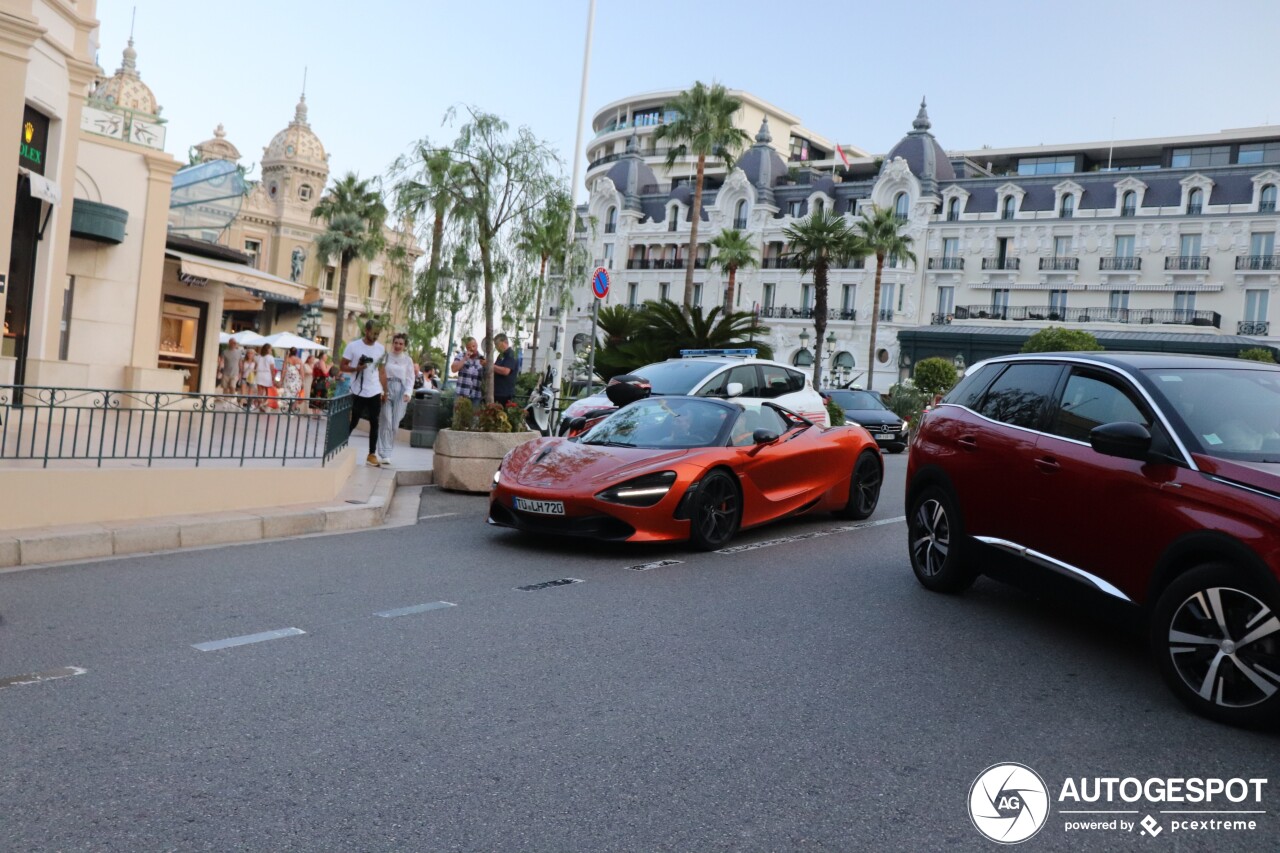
217 148
923 154
632 176
297 145
763 165
125 89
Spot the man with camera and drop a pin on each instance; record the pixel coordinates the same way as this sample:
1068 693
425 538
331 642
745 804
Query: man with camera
367 359
469 365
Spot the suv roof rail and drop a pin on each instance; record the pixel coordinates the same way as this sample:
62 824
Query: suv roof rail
735 353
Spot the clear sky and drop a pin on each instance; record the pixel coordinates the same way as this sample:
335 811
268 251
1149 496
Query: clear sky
1002 72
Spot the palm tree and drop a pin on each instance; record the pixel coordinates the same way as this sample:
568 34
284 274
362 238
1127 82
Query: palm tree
668 324
704 128
733 251
353 213
819 241
877 232
543 237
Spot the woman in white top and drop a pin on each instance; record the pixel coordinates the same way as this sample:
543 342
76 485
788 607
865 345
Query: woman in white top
264 373
400 372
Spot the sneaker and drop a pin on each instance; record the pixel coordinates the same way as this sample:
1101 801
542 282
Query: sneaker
385 461
373 461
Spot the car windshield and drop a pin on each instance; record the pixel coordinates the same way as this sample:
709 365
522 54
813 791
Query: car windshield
678 376
852 401
1230 413
667 423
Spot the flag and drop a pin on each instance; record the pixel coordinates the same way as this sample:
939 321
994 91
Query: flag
840 151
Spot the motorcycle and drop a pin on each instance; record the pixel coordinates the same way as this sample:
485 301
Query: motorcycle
537 412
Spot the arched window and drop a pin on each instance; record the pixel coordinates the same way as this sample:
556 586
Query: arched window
953 210
740 214
1195 201
1267 201
673 217
900 205
1007 208
611 220
1068 208
817 205
802 358
1129 203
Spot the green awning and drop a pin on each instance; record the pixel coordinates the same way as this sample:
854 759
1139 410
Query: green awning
101 222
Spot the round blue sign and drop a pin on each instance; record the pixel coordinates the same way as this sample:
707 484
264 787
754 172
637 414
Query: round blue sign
600 283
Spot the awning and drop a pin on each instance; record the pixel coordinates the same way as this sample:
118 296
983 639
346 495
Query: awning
41 187
259 284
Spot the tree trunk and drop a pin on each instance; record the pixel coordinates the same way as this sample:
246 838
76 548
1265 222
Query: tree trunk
433 275
487 265
728 293
537 313
694 219
875 320
819 319
340 324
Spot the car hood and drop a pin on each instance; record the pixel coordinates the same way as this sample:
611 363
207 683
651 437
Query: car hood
560 464
1259 475
870 417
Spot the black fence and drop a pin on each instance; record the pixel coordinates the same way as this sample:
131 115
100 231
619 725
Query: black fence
1053 314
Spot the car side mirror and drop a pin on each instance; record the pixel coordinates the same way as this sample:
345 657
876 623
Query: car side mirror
1123 439
577 424
764 436
733 389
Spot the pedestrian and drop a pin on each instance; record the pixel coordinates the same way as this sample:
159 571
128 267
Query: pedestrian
264 375
430 379
469 365
504 371
232 361
308 375
292 379
366 360
399 373
320 381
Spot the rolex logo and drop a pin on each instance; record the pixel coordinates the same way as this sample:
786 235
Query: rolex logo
28 131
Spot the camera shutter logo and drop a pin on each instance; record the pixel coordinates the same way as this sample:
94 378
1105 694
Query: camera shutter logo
1008 803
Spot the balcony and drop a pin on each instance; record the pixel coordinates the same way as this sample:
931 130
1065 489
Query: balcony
1120 263
1050 313
1128 211
1253 327
1059 264
1001 263
850 264
1194 209
941 319
786 312
886 315
946 263
1258 262
1267 207
779 264
639 264
1186 262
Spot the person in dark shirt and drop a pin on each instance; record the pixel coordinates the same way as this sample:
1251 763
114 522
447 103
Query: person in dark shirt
504 371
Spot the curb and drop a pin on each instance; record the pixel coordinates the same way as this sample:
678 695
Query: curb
95 541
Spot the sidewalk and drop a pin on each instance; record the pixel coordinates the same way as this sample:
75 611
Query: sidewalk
363 503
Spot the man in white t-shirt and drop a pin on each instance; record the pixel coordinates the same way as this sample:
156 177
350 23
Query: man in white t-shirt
366 359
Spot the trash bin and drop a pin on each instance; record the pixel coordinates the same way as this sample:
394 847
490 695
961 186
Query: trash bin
425 411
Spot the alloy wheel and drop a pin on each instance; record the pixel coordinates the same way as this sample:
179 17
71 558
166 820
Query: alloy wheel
930 537
1225 646
867 479
718 516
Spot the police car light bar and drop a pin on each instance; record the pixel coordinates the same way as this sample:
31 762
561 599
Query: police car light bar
739 353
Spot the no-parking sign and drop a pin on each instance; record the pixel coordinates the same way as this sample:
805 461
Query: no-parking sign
600 282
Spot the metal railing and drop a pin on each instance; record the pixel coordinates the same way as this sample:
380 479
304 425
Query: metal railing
1253 327
48 424
786 312
1258 262
740 223
1001 263
1266 207
1142 316
1121 262
1186 262
1060 264
946 263
1194 209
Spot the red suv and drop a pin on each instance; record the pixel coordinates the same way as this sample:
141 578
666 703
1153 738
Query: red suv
1152 480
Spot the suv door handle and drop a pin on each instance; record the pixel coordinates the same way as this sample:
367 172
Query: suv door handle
1048 464
967 442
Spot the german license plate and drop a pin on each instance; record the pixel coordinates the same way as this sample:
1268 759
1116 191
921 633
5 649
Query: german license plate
541 507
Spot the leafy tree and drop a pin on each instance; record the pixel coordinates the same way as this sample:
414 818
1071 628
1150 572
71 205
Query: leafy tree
879 233
543 237
819 241
353 214
733 252
1058 339
1258 354
935 376
703 127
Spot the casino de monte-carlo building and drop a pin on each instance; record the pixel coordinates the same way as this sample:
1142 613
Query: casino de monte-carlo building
1156 244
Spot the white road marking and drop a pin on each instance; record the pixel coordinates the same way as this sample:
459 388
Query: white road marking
814 534
417 608
657 564
215 645
47 675
437 515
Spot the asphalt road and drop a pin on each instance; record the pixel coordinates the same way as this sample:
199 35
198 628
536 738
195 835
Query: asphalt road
805 695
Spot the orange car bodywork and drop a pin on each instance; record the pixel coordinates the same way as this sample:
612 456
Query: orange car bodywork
807 469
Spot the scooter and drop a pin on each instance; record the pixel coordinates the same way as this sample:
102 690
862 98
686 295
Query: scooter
537 413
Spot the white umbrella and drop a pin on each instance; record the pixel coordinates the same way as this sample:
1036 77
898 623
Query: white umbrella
288 340
248 338
223 337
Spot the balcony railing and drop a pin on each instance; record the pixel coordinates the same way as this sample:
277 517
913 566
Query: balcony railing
1001 263
1120 263
1194 209
1267 207
740 223
1060 264
786 312
1186 262
1253 327
778 263
946 263
941 319
1039 313
1128 211
1258 262
611 228
639 264
664 264
886 315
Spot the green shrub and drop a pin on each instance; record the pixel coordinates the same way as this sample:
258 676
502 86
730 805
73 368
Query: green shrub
1258 354
1058 339
492 418
515 417
935 376
907 401
835 413
463 415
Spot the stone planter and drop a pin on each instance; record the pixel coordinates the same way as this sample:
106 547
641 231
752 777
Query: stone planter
466 461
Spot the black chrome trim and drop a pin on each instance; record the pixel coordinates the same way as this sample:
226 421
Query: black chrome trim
1065 569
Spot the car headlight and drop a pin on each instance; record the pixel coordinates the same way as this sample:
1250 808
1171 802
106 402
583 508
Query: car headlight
497 476
642 491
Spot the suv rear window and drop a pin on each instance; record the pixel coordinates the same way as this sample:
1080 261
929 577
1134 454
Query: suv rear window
678 376
1019 395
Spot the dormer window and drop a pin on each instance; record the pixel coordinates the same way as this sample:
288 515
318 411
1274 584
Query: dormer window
1068 207
1129 203
901 206
953 210
1195 202
1009 207
304 192
611 221
1267 199
740 214
673 217
817 205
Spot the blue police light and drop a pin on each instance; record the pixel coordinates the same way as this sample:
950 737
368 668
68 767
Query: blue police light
737 353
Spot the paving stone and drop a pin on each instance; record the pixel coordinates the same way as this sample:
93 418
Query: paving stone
83 544
221 531
145 538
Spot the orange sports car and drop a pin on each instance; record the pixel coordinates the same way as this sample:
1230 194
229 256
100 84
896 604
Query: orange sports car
695 468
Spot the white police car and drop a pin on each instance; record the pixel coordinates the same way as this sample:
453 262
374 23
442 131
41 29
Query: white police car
715 373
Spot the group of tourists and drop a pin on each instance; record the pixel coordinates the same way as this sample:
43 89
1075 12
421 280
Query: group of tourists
254 374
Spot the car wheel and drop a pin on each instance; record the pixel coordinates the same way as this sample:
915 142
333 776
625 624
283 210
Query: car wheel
864 488
1215 634
717 512
935 537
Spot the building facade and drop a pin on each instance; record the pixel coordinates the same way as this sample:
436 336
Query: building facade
1159 243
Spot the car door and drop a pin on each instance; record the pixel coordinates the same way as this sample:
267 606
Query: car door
744 374
788 388
777 477
1082 514
989 449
